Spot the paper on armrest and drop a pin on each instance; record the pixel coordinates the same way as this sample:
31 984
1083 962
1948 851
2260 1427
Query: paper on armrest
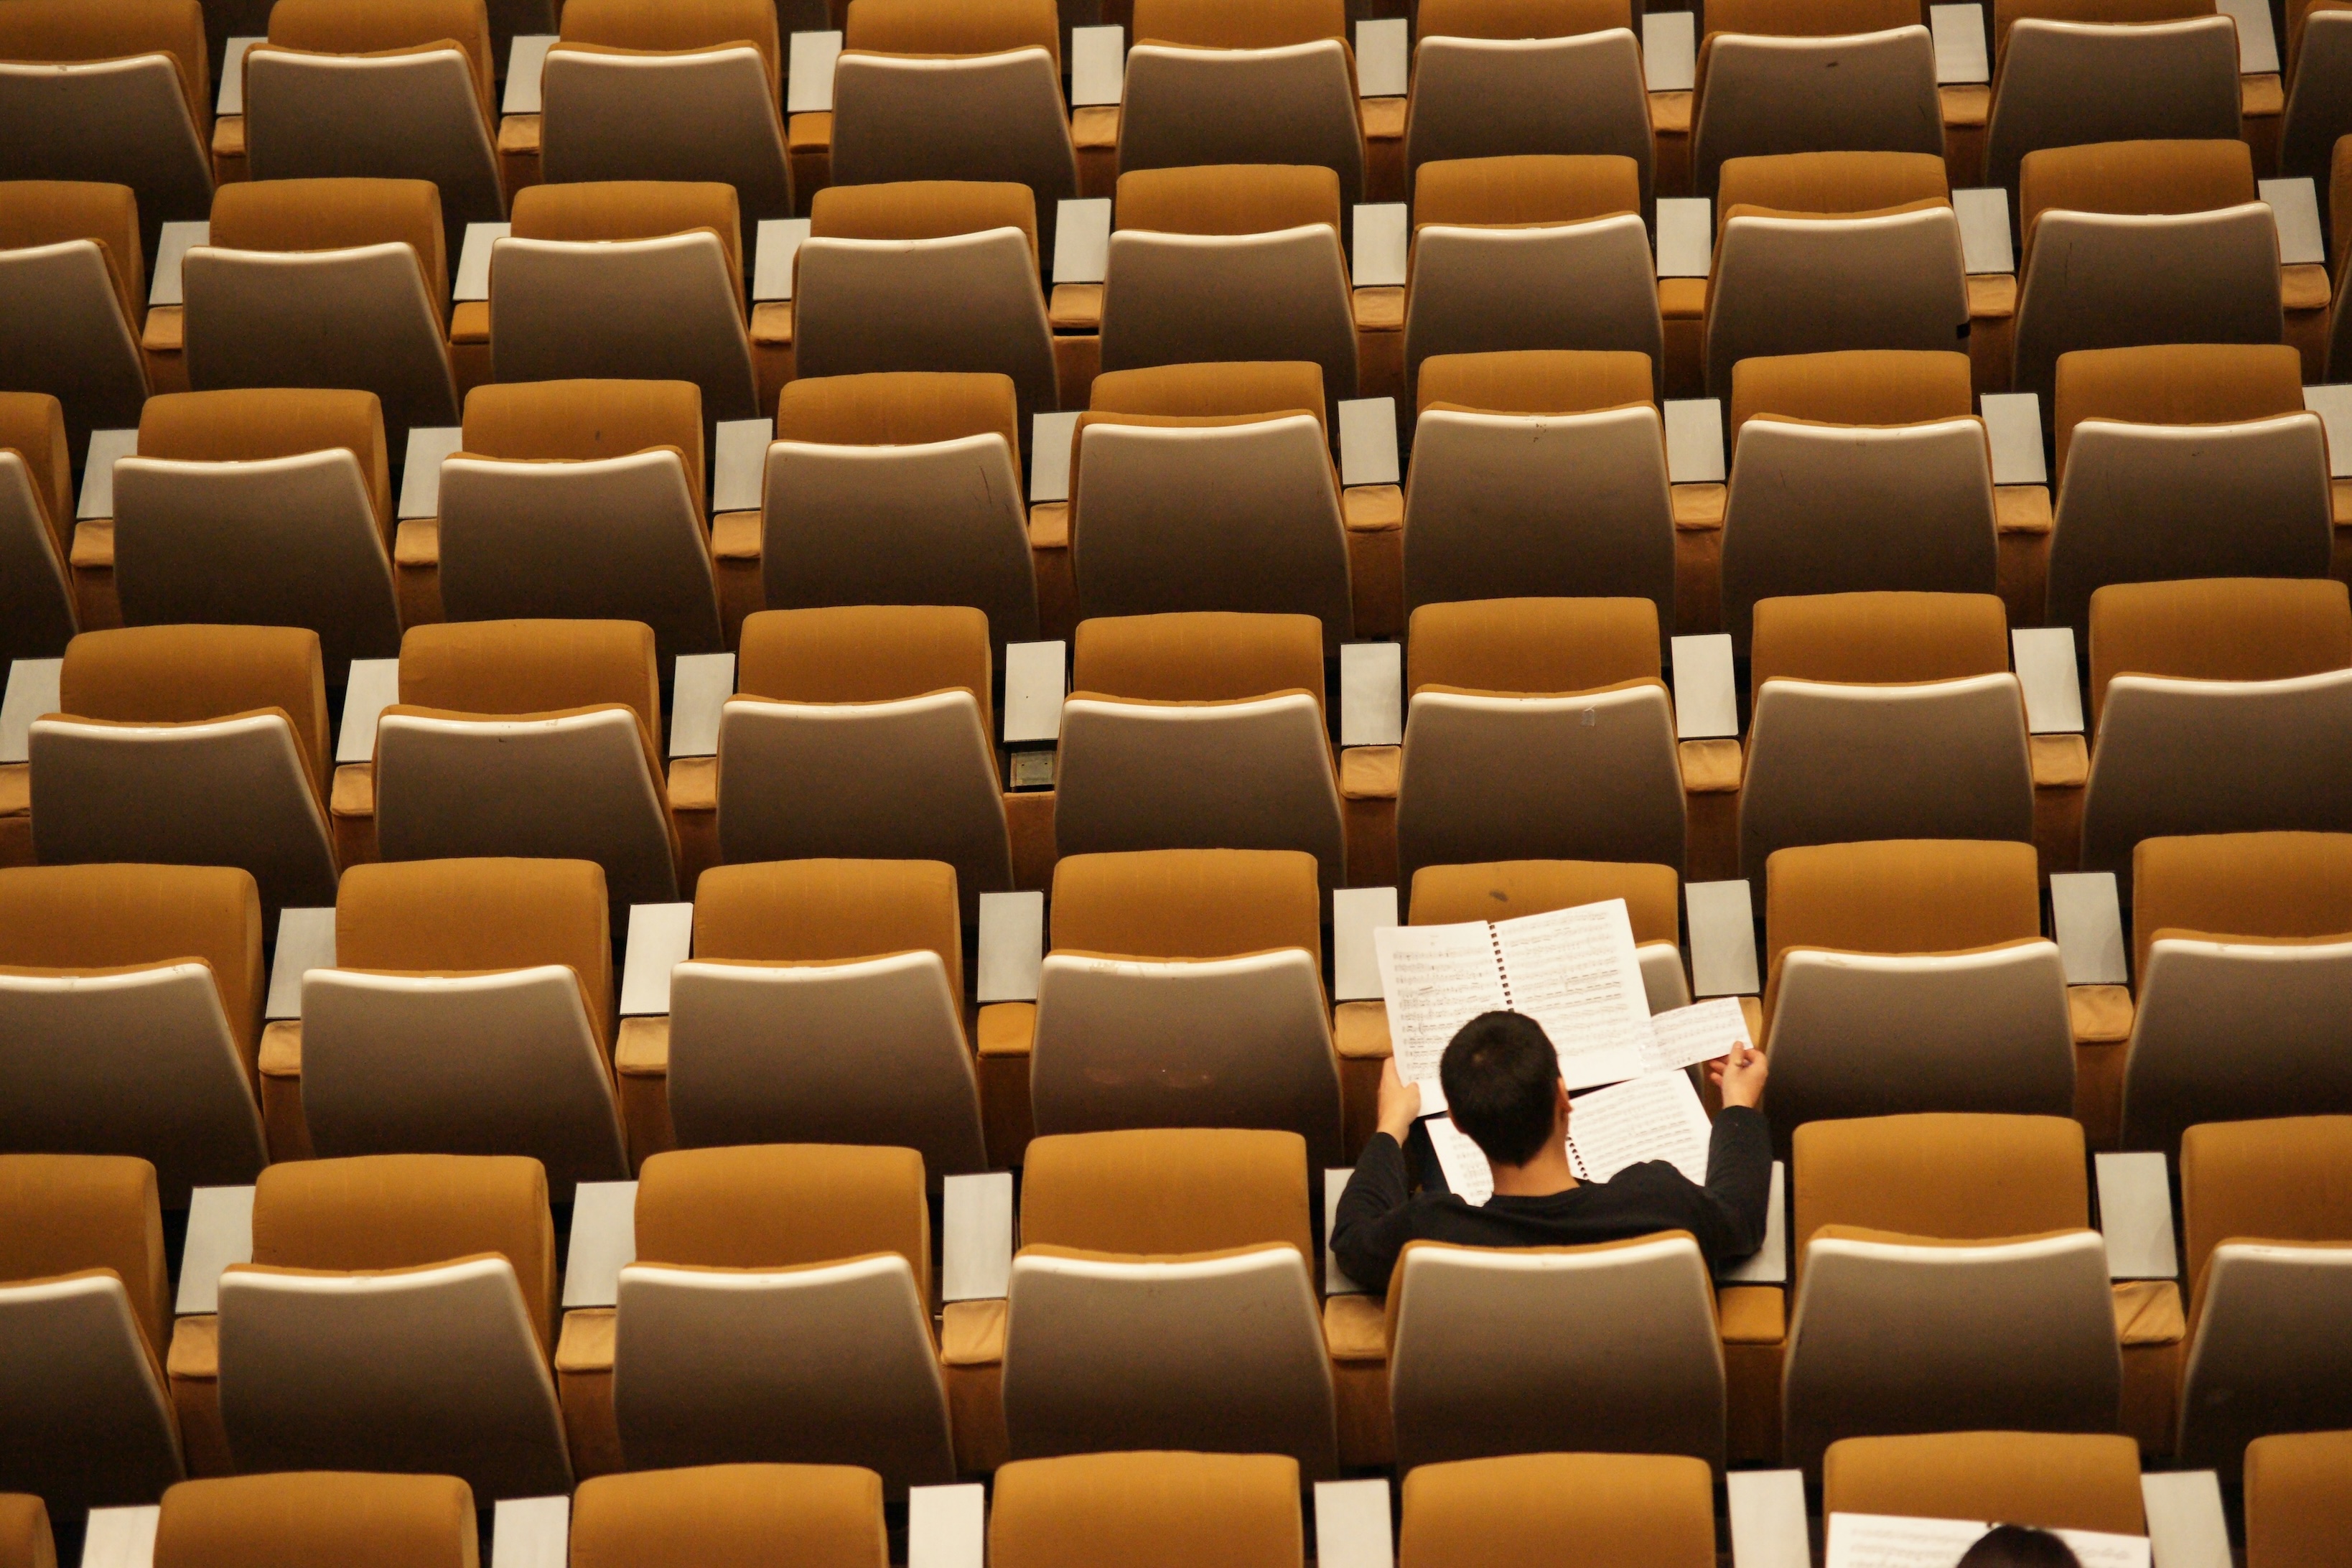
1693 440
1983 216
2186 1527
1355 914
1768 1264
474 262
1722 939
976 1249
2331 403
375 685
1379 258
97 471
1049 457
2045 668
220 1232
2257 43
305 940
170 246
2295 208
232 79
603 1242
1012 946
1335 1279
1368 441
1371 686
740 470
947 1526
420 472
661 936
2084 907
525 63
704 683
531 1532
772 264
2135 1216
2013 426
1959 45
809 88
1098 66
1767 1520
1669 50
1382 57
33 687
1686 234
1352 1517
1081 240
1706 697
120 1537
1034 682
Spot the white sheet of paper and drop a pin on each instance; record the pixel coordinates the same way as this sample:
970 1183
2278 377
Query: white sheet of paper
1098 65
808 82
1960 44
1434 979
1669 50
1383 58
526 63
1685 1036
1886 1540
1653 1117
779 241
1575 972
1464 1164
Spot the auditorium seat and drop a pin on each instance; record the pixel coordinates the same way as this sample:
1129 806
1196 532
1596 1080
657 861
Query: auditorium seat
2049 1481
1501 891
469 1011
1203 730
1779 76
73 298
1163 1295
583 500
191 746
971 90
628 279
400 91
731 1515
37 613
824 1004
1184 989
1911 975
866 733
1147 1510
778 1311
1527 1511
1212 82
2242 946
130 1000
2266 1213
25 1541
2298 1509
938 275
85 1303
395 1316
118 91
2318 113
1852 473
1529 253
1946 1281
261 507
1209 486
644 90
1817 251
1537 729
305 1519
1500 77
1882 716
1229 261
2217 705
2127 243
1539 473
326 283
2067 73
2185 461
533 737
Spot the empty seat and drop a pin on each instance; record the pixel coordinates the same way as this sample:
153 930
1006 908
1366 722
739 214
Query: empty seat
2049 1481
535 738
1500 890
2068 72
2298 1510
1229 262
2141 242
1529 253
396 1316
967 91
581 499
866 733
1854 471
191 746
1203 730
731 1516
1209 486
779 1309
925 274
1882 716
84 1310
1210 82
824 1004
396 92
1148 1510
130 1009
2243 944
1496 78
639 90
1163 1295
2185 461
302 1518
1528 1509
266 507
2267 1215
899 488
1184 989
1946 1281
37 614
73 295
1537 729
327 283
2217 705
2318 104
1540 472
1912 975
25 1541
469 1011
1776 76
630 280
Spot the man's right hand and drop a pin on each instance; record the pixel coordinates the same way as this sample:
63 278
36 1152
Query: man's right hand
1400 1104
1740 1075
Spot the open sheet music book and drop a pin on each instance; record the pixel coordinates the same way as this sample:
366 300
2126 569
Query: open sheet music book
1657 1117
1886 1540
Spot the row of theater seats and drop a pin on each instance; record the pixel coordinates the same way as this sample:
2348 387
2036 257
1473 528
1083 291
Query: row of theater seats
786 1302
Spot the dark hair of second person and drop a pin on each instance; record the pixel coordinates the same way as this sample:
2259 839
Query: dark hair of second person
2019 1546
1501 1076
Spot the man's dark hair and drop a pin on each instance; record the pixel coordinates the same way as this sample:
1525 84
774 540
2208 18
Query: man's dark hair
1500 1074
2019 1546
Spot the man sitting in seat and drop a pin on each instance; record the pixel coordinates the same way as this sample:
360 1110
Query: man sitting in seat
1502 1082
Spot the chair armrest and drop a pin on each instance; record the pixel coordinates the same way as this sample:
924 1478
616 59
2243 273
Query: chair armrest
1752 1314
586 1343
1370 772
1006 1028
972 1334
1359 1031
